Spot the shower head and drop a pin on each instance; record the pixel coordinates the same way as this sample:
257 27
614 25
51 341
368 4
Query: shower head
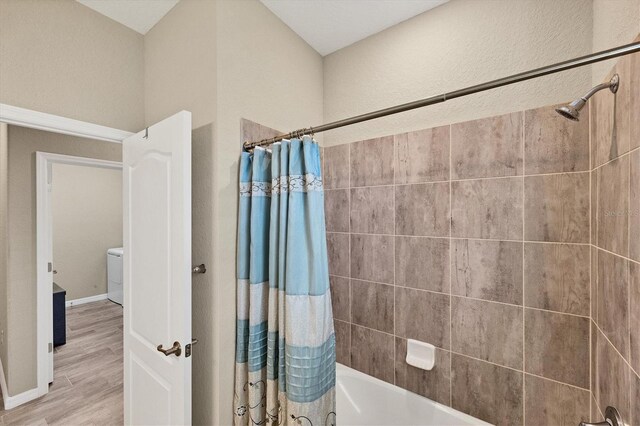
572 110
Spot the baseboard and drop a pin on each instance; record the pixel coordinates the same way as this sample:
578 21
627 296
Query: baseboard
21 398
3 385
14 401
86 300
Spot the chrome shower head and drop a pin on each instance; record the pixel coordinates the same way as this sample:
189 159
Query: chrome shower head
572 110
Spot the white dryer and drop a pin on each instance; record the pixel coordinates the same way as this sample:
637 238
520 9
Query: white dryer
114 275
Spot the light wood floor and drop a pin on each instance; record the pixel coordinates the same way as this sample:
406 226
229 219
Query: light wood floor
88 374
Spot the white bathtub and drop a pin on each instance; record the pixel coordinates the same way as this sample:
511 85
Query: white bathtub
365 400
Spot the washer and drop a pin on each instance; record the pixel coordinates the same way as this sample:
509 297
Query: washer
114 275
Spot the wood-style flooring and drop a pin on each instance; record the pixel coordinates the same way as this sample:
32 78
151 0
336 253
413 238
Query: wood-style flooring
88 373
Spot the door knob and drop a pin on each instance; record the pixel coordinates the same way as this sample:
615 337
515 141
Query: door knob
174 350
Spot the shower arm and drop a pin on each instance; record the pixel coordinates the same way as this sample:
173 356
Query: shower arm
611 85
516 78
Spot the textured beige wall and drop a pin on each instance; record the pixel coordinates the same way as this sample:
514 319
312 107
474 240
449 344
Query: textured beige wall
615 22
180 73
266 74
4 146
60 57
458 44
21 288
87 221
180 63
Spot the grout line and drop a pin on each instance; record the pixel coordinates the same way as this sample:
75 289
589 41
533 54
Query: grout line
591 278
395 355
524 373
432 182
460 296
618 157
349 259
524 165
618 255
450 268
629 224
462 238
617 351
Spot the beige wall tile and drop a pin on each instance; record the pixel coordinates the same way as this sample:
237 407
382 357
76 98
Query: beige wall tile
610 127
422 315
594 283
488 147
551 403
422 156
338 253
343 342
556 346
488 208
594 207
423 263
372 210
372 305
423 209
634 101
372 257
490 270
613 206
613 299
634 319
612 378
336 166
341 297
556 208
372 162
372 352
554 144
488 331
434 384
634 207
557 277
635 399
486 391
336 210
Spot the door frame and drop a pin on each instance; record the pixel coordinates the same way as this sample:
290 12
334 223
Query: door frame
25 117
44 254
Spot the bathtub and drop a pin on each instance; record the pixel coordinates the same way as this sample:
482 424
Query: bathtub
365 400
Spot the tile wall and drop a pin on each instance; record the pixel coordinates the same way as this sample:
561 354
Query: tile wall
615 252
477 238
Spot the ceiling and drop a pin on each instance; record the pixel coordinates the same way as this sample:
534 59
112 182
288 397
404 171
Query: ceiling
139 15
329 25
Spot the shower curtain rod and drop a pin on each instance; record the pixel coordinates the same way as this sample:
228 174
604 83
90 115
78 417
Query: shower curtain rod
515 78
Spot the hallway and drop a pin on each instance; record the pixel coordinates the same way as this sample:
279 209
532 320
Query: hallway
88 375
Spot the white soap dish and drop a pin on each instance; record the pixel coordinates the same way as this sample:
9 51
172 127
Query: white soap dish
420 354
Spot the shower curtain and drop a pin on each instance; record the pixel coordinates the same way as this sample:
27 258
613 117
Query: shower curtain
285 342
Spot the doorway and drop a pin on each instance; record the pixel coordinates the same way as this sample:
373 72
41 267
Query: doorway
156 201
79 219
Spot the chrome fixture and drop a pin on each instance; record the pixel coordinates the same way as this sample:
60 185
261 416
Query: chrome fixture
199 269
611 418
626 49
572 111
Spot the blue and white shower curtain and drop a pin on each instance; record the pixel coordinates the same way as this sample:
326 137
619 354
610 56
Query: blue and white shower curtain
285 342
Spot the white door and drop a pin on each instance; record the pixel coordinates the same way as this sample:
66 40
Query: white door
157 273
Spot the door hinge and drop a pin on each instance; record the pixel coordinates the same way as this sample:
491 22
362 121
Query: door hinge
50 347
49 267
187 349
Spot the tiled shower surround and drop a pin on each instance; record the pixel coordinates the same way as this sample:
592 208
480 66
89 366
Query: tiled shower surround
512 244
